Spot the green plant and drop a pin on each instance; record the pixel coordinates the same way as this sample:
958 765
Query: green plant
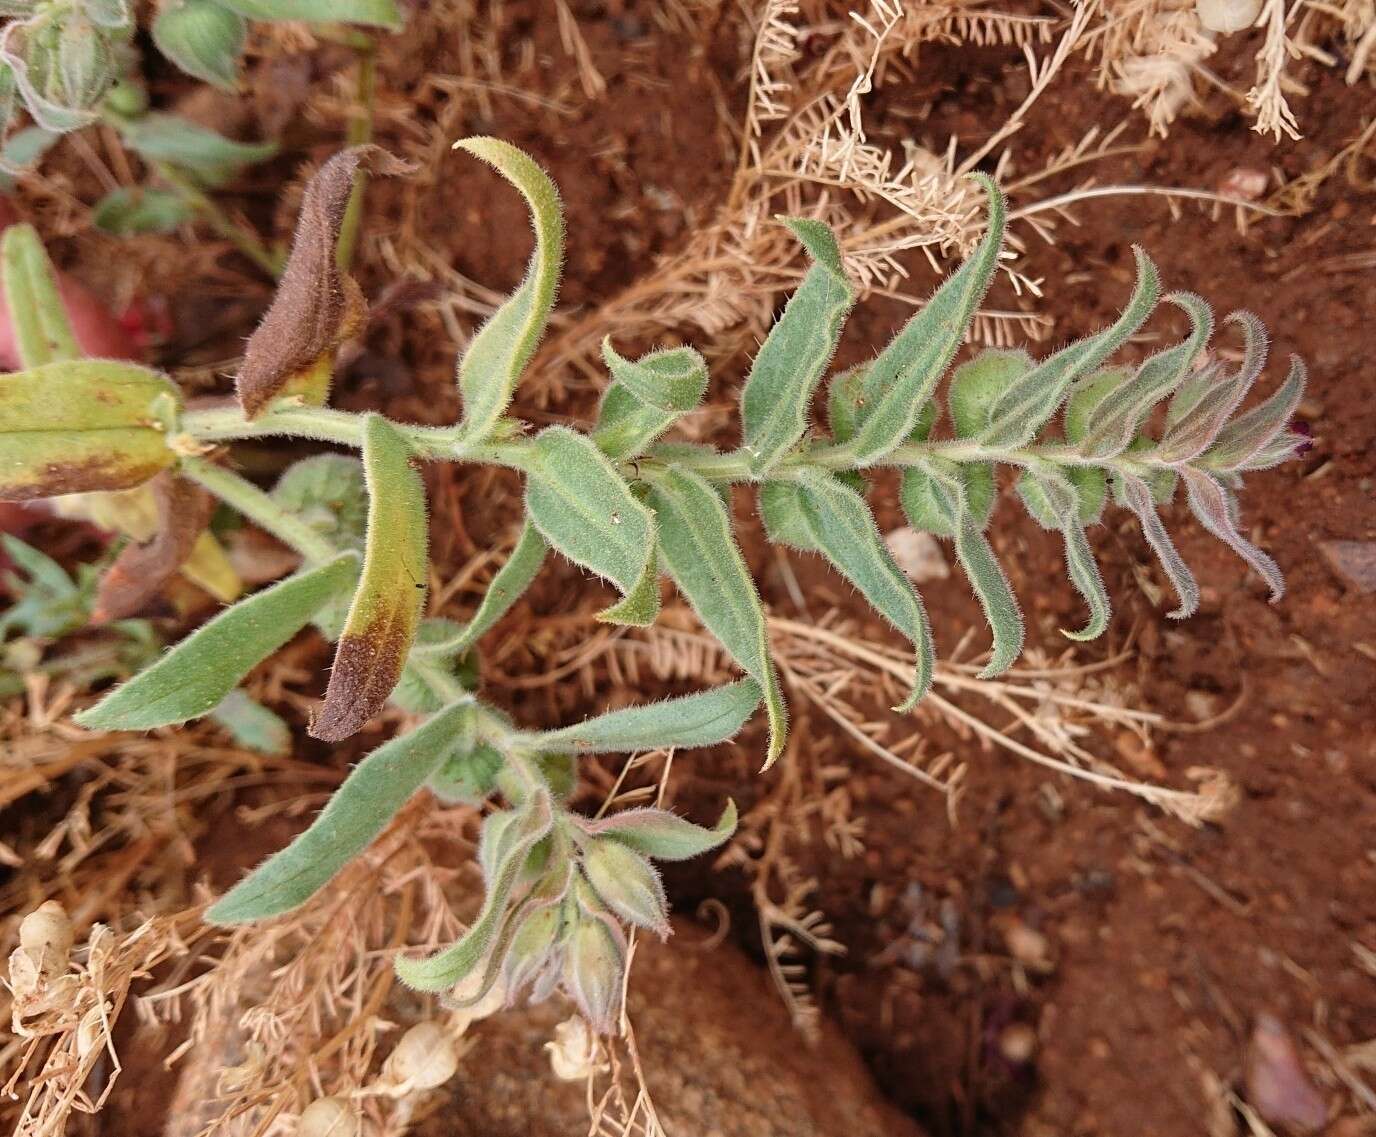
628 507
73 63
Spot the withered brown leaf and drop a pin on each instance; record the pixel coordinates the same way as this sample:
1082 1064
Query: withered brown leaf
317 307
139 572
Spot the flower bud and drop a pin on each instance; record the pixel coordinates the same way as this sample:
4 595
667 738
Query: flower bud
85 63
202 38
81 425
628 884
534 946
593 972
328 1117
424 1058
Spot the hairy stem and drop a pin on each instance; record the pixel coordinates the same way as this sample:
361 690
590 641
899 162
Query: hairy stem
246 242
360 133
259 508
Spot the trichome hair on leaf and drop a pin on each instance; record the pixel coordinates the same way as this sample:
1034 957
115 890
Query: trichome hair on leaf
1078 431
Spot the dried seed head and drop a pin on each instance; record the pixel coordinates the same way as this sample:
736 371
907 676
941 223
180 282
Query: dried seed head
46 935
425 1057
574 1054
328 1117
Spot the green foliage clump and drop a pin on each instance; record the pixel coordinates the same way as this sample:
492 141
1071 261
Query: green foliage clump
1079 432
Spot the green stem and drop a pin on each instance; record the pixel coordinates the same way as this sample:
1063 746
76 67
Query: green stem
259 508
360 133
246 242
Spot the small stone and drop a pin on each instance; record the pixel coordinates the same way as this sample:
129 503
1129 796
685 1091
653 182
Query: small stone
1028 946
1243 183
1278 1085
917 554
1353 562
1227 16
1017 1043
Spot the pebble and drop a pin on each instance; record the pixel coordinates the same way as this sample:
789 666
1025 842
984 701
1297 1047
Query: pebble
917 554
1353 562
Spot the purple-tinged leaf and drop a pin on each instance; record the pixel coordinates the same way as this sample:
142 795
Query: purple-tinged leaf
1216 510
1136 495
1249 434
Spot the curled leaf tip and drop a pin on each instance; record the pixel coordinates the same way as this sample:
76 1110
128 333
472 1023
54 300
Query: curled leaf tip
317 307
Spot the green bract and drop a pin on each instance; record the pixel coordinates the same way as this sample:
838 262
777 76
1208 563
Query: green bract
1075 432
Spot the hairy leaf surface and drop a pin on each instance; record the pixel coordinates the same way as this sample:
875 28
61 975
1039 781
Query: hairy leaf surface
359 810
1052 501
193 677
507 586
387 605
702 719
42 330
659 834
492 366
700 552
774 402
584 508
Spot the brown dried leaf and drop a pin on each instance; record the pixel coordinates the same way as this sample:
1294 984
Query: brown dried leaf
140 571
317 307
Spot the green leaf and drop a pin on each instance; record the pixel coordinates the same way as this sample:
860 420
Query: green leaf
1137 496
703 719
1026 406
252 725
583 507
1119 415
494 361
211 157
329 492
699 549
202 37
660 834
195 676
900 382
468 775
387 605
79 425
42 331
428 678
131 210
1052 501
674 380
843 530
358 811
774 402
374 13
937 495
1244 442
646 397
508 585
446 968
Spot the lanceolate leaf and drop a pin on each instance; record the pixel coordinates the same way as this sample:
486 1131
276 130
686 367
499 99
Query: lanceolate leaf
192 678
211 157
1115 421
507 586
387 606
1017 415
774 402
900 382
937 494
494 361
1216 510
1185 405
663 836
448 967
584 509
1242 440
1052 501
703 719
360 809
844 531
42 331
1136 495
699 549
